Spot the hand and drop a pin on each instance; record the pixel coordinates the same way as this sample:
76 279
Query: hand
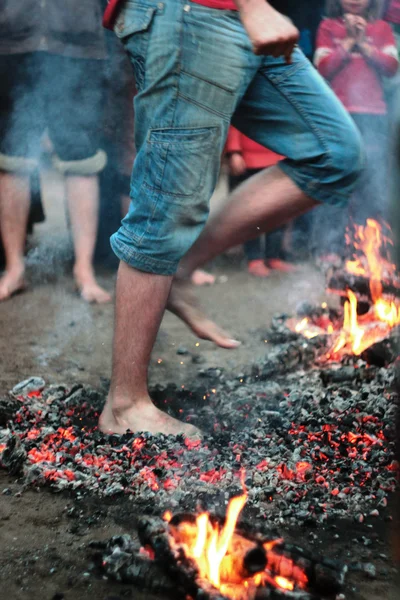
360 29
348 44
237 166
270 32
366 49
350 23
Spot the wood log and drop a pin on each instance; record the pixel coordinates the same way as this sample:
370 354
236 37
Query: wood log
340 281
287 357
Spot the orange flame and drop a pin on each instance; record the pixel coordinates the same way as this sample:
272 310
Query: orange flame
211 545
217 553
360 332
306 329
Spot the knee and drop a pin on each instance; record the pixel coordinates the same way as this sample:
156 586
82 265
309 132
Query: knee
157 244
347 159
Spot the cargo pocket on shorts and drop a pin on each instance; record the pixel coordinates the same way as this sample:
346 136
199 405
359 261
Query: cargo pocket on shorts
133 26
178 160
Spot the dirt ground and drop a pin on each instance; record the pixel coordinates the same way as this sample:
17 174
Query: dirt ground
49 331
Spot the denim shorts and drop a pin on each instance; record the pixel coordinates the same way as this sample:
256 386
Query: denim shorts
195 73
42 91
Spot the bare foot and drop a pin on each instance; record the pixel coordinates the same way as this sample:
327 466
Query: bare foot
258 268
183 304
281 265
89 289
11 283
143 417
200 277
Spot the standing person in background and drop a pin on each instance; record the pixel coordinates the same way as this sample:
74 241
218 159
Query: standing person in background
355 51
51 78
246 158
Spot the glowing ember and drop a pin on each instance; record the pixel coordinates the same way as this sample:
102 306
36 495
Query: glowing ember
284 583
307 329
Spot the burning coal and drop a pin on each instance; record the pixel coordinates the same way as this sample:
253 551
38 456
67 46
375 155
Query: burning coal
314 444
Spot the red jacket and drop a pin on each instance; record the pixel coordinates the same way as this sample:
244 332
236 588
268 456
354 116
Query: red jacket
357 80
255 155
393 12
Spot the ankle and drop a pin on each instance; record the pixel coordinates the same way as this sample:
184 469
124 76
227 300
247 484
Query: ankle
16 266
83 270
121 403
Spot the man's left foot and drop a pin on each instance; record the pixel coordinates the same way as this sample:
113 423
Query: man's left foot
183 304
90 290
281 265
200 277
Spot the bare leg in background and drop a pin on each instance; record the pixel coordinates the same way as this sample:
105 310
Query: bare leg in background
83 204
14 212
267 200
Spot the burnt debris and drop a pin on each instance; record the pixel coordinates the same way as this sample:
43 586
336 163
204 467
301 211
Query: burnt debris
315 441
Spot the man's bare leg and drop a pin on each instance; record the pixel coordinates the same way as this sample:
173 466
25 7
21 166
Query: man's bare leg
83 204
14 211
262 203
140 305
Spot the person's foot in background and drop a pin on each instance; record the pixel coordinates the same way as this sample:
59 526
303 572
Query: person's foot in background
200 277
276 264
88 287
12 282
258 268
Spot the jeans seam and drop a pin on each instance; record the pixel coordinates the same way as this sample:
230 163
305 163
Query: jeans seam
129 254
175 102
309 187
202 106
208 81
288 96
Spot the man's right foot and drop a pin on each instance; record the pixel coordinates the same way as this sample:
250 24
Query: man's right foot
183 304
11 283
143 417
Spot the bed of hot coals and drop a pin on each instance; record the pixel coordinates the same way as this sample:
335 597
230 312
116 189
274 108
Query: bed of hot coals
313 442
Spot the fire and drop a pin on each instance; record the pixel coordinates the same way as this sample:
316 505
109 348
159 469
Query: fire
359 332
284 583
306 328
218 551
211 544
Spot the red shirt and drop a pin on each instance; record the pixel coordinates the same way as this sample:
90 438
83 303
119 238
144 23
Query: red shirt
356 80
113 7
255 156
393 12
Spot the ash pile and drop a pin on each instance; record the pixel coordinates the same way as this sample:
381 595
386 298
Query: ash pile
314 439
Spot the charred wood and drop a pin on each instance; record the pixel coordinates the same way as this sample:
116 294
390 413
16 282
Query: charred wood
300 353
340 281
14 456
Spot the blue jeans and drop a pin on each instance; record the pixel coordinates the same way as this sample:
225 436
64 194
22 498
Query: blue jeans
195 72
